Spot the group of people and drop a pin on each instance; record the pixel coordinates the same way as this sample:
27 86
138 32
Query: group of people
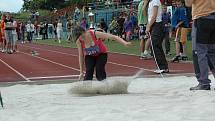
8 34
12 30
124 26
93 53
178 22
152 32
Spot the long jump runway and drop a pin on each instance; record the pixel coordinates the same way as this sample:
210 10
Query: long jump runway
58 63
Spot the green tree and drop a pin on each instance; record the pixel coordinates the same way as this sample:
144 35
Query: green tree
33 5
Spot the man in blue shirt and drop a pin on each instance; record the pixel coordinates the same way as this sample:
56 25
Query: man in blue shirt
166 22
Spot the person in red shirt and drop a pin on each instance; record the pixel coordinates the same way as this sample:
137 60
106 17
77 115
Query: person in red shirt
93 52
2 38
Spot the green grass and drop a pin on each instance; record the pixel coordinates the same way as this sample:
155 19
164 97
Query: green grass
114 46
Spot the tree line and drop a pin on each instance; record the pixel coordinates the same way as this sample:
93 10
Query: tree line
34 5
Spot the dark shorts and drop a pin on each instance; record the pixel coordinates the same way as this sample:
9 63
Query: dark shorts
142 33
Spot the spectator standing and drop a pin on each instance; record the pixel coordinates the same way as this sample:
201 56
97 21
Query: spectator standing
51 30
77 14
42 30
127 26
59 30
120 22
36 33
8 22
84 23
166 22
155 29
2 26
142 21
203 40
46 26
15 36
133 19
30 31
69 26
179 22
113 26
55 28
22 32
103 25
1 37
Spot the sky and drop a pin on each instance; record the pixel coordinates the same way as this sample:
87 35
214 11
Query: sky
148 99
11 5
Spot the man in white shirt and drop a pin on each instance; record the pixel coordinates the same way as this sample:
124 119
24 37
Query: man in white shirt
155 29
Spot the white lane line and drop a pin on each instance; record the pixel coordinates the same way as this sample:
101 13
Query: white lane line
53 51
15 71
124 65
51 61
52 77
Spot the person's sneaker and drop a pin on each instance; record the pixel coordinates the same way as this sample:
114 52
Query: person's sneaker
184 58
201 87
159 71
147 56
3 51
176 59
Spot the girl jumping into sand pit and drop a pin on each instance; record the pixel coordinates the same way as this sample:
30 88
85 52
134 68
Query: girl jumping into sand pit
93 52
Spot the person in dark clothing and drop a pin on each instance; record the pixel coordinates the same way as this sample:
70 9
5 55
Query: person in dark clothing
120 22
103 25
166 22
46 30
203 41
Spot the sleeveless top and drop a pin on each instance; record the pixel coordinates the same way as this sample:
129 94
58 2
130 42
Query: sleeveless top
97 46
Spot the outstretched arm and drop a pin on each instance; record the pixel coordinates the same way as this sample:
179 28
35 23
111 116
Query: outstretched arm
104 35
189 3
81 59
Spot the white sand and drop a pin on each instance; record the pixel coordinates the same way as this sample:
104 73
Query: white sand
149 99
117 85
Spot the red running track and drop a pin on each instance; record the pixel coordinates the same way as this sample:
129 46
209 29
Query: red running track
57 63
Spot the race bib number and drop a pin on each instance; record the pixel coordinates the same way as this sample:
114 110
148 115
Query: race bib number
92 50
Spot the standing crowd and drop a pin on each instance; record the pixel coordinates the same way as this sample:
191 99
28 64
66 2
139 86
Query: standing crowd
12 31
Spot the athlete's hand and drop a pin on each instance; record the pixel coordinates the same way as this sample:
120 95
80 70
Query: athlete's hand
128 43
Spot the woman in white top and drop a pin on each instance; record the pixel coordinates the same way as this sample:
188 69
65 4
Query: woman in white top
59 30
155 29
15 36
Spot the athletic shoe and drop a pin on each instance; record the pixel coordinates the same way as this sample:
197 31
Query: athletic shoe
159 71
147 56
201 87
3 51
184 58
10 52
176 59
